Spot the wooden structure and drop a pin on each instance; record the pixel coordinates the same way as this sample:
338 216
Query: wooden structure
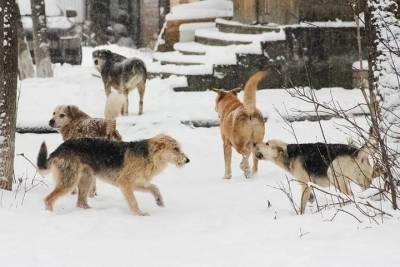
290 11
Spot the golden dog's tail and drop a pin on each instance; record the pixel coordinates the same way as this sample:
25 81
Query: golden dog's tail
250 89
42 161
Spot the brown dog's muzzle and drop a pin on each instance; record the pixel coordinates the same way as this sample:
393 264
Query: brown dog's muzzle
52 122
187 160
259 155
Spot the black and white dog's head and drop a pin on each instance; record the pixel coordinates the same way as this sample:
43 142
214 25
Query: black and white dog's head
100 57
271 150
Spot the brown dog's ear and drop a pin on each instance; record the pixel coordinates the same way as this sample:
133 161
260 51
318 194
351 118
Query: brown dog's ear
75 113
236 90
217 90
157 146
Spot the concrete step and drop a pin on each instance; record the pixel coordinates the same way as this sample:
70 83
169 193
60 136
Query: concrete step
191 48
177 58
216 38
229 26
172 69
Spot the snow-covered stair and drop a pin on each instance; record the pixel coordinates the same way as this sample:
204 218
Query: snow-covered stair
172 69
178 58
191 48
217 53
213 36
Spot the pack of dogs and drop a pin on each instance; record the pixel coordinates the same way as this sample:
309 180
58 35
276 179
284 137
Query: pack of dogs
93 147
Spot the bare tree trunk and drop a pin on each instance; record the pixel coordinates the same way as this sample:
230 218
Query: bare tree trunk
373 39
8 90
25 64
41 43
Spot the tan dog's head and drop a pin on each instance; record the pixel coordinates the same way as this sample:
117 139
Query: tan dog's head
100 57
271 150
169 150
224 96
65 114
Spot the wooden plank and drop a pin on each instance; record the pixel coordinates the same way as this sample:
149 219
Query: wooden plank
245 11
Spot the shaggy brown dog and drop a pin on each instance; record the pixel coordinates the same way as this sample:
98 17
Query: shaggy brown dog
322 164
127 165
71 122
242 124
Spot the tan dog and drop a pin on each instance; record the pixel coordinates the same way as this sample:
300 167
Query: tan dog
130 166
241 124
71 122
322 164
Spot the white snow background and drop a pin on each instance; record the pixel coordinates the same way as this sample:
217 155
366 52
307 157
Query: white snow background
207 221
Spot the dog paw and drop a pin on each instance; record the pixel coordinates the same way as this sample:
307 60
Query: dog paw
93 194
48 206
227 176
141 213
248 174
83 206
160 202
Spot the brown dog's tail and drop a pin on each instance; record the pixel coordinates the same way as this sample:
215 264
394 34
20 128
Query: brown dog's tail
42 161
250 89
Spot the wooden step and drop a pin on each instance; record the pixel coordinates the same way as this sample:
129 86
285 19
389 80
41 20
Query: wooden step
215 37
229 26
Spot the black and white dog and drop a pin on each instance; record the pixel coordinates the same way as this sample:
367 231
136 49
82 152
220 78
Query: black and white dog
121 73
320 163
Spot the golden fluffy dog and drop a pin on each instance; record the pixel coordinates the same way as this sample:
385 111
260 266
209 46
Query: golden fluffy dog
72 122
130 166
322 164
241 124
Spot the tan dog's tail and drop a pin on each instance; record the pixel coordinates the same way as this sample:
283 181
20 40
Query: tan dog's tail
250 89
42 161
369 146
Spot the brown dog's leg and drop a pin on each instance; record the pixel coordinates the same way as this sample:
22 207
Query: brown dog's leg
302 178
54 195
228 159
305 196
141 88
85 187
244 165
255 165
127 191
153 189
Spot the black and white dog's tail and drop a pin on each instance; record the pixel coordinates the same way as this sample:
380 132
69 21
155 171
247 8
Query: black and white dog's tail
368 148
42 161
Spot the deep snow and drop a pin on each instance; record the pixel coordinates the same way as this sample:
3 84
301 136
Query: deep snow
207 221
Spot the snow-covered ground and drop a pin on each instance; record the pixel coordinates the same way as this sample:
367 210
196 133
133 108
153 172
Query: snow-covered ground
207 221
